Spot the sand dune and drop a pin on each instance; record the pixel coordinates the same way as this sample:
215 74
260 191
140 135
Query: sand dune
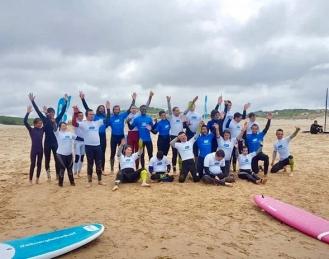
169 220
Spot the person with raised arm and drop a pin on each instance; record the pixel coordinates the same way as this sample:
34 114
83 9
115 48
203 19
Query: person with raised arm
64 152
128 172
36 135
230 113
117 124
79 148
90 132
162 126
185 149
144 124
50 142
254 141
176 120
281 146
99 115
133 135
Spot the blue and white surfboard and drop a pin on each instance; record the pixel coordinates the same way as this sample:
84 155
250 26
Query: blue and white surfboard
61 103
52 244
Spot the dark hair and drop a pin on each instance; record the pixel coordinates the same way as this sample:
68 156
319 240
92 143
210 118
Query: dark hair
279 130
252 114
127 146
50 109
36 120
161 112
142 106
213 113
180 133
227 131
80 112
116 106
61 123
229 101
88 110
98 110
220 153
174 108
204 126
159 155
237 115
244 147
254 125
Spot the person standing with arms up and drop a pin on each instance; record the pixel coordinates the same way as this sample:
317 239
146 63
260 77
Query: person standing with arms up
281 146
90 132
36 134
50 143
100 115
79 148
117 124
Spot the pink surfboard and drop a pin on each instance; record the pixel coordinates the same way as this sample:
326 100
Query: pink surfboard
297 218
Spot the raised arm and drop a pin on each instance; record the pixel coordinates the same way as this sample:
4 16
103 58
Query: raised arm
190 104
60 116
108 113
149 99
244 112
293 135
133 96
36 108
26 123
173 142
169 105
243 131
120 149
84 103
219 102
273 157
268 124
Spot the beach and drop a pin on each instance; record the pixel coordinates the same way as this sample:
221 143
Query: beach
169 220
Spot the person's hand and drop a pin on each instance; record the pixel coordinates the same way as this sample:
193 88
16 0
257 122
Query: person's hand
246 106
108 105
149 127
75 109
44 109
220 100
82 95
31 97
29 109
168 98
195 99
216 126
269 116
297 128
245 126
134 96
123 142
151 94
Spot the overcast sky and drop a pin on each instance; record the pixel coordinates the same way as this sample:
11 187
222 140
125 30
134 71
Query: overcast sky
274 54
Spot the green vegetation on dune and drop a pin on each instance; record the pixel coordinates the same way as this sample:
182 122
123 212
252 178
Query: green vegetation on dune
8 120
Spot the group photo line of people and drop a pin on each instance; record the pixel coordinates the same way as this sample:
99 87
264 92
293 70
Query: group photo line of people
218 151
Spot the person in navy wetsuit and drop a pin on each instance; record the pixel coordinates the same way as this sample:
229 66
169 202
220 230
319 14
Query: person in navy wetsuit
36 134
162 127
50 143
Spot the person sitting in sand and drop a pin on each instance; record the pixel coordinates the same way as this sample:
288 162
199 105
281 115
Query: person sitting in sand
214 170
128 172
159 168
36 134
245 170
316 128
281 146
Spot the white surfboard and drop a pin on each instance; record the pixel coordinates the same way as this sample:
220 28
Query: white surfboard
52 244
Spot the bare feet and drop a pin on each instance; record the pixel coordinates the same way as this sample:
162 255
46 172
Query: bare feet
115 188
291 174
145 185
101 183
30 181
37 181
264 180
89 185
229 184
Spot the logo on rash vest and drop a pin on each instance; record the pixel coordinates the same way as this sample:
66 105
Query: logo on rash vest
255 140
128 159
144 124
226 145
159 163
167 126
92 127
216 163
194 117
280 146
67 136
206 141
117 120
187 147
178 121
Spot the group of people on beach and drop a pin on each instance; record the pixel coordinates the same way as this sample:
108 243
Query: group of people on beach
208 151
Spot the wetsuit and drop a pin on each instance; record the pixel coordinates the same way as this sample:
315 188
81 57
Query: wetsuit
254 142
36 153
204 145
144 124
102 130
50 143
163 128
246 172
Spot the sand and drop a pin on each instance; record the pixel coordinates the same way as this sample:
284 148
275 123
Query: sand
169 220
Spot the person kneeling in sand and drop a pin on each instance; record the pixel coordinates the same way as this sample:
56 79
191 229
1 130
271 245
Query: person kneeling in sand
245 171
214 170
128 173
281 146
159 167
